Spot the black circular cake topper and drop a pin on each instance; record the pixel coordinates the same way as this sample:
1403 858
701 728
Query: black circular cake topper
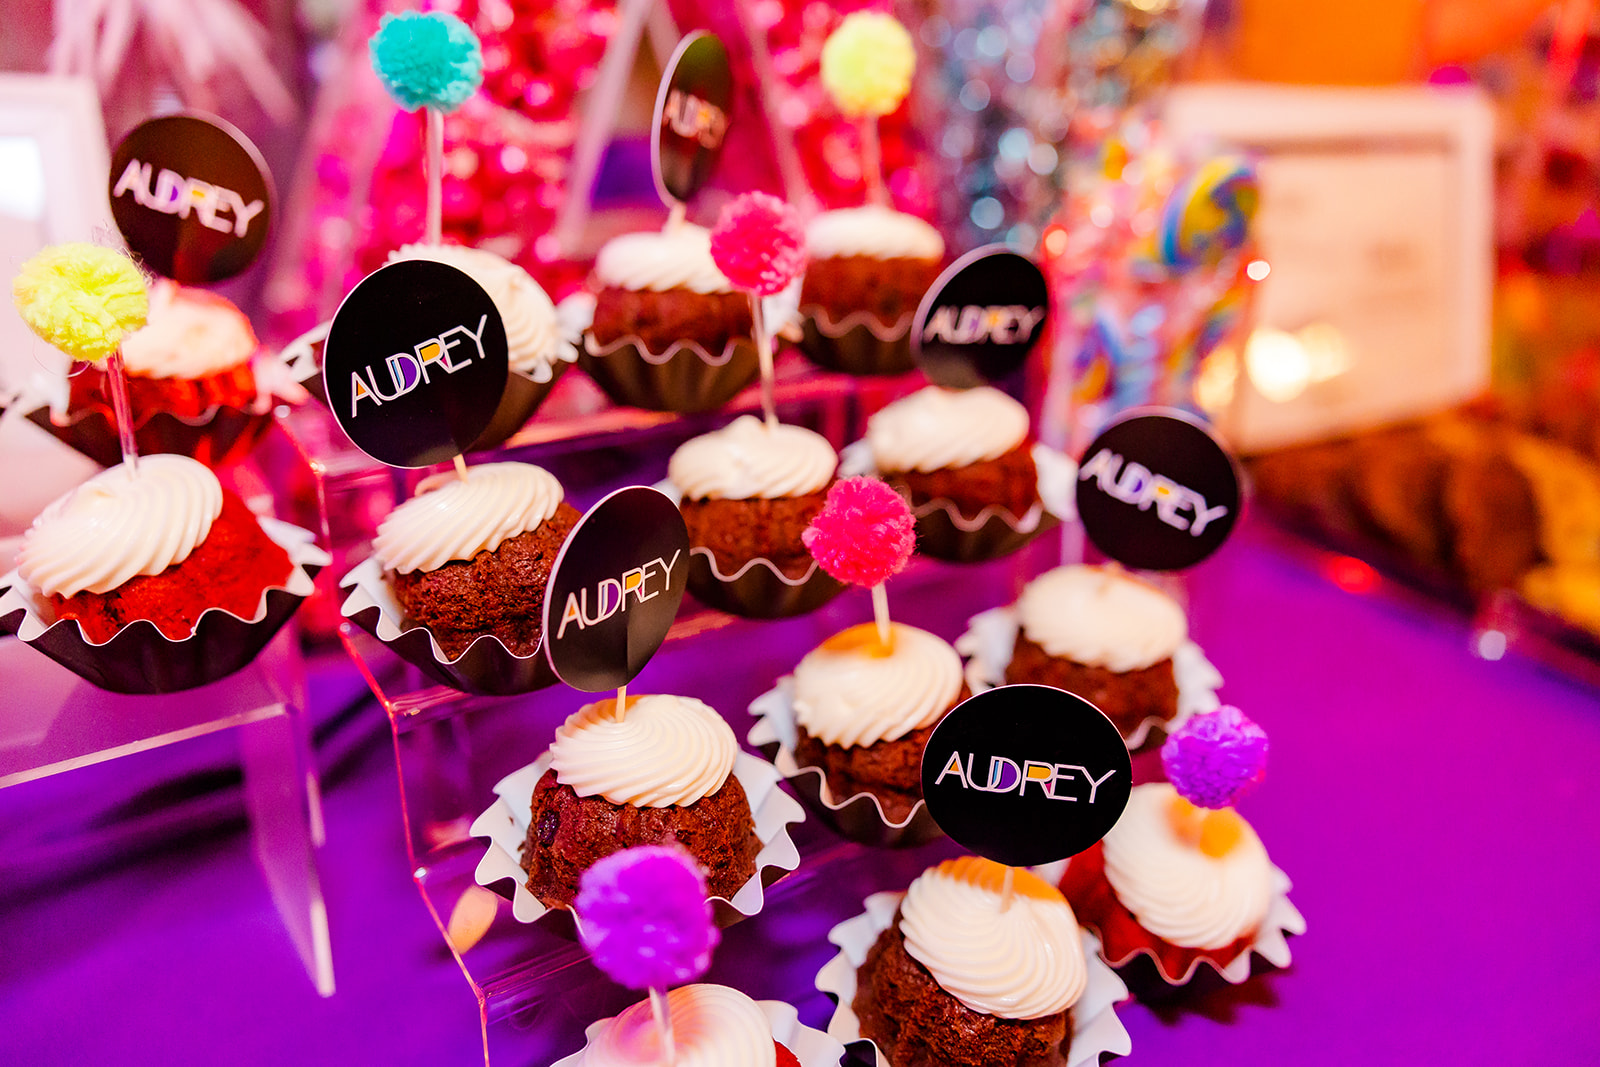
1157 491
192 197
1026 774
415 363
691 120
979 321
615 589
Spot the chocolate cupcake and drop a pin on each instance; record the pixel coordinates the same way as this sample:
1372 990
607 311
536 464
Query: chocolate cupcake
538 349
712 1026
966 446
960 978
469 557
748 490
669 333
870 267
863 712
663 772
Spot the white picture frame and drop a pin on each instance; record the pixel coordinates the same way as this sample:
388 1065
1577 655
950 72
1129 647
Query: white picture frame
1376 220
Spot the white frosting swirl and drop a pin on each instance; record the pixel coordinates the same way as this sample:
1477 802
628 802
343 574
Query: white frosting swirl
190 333
747 459
1175 890
120 524
1024 961
533 335
712 1026
454 518
850 691
935 429
667 750
678 257
875 231
1101 617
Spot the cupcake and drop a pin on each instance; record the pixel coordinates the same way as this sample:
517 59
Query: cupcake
959 977
1180 883
538 350
1104 635
192 355
669 332
748 490
966 446
664 772
469 557
870 267
863 712
712 1025
163 544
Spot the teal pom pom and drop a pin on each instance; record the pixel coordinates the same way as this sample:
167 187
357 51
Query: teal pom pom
427 60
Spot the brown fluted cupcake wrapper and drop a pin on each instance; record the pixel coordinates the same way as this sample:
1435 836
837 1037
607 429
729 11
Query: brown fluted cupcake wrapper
1096 1030
218 436
140 659
487 667
858 343
860 816
505 825
524 393
685 377
759 590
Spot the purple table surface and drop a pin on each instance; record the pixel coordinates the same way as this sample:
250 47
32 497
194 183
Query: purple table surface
1427 804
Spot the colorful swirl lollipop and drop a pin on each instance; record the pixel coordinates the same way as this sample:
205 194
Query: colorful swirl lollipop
1209 214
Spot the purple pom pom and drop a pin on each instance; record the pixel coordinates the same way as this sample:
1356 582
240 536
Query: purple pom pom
1214 759
644 917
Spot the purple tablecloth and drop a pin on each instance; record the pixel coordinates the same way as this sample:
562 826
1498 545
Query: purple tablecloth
1427 804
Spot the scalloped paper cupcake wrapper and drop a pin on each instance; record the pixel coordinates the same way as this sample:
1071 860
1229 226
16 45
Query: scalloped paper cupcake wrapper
860 816
1271 943
1095 1026
487 667
218 436
140 659
944 533
685 377
812 1048
991 637
523 395
505 824
858 343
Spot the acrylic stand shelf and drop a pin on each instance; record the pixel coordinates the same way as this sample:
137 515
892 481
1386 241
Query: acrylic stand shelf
534 986
56 722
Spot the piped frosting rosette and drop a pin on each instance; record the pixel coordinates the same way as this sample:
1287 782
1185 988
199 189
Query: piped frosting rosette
666 751
210 389
683 374
938 429
451 518
1026 961
1098 618
748 460
712 1026
845 693
118 525
1200 882
860 342
542 340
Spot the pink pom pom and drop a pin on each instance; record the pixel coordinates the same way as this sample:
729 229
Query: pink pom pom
759 244
864 532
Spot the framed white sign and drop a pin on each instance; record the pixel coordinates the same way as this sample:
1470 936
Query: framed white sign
1375 231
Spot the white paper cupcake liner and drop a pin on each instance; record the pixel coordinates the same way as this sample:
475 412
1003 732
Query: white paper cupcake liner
812 1048
505 824
943 532
1095 1027
1271 943
139 658
859 816
991 637
487 666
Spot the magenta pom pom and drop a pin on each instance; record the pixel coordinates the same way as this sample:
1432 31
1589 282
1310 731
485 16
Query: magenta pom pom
1215 758
644 917
759 244
864 532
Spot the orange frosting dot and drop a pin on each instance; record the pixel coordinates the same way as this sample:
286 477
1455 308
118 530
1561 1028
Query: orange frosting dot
861 639
991 876
1214 833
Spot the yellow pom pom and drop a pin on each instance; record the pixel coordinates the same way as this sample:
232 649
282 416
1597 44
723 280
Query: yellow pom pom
81 298
867 64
